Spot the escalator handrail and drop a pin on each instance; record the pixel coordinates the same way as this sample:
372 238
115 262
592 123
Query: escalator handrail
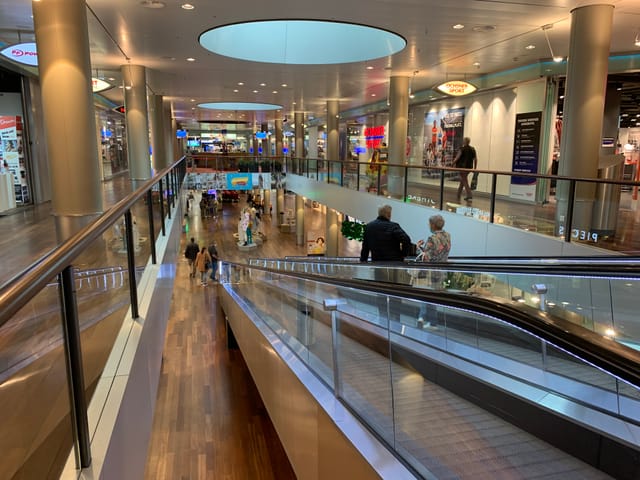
600 351
18 291
599 267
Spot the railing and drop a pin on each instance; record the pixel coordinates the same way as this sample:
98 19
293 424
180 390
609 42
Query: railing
583 210
362 339
95 277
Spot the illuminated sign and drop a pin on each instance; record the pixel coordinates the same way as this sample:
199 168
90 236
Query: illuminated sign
261 135
24 53
98 85
374 136
119 109
456 88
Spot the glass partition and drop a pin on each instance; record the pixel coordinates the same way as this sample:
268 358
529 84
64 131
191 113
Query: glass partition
390 370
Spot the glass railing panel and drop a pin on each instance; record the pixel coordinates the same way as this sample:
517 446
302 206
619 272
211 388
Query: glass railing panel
362 361
36 426
624 324
423 187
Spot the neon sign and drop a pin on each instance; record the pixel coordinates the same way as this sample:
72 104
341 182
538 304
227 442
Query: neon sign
374 136
456 88
24 53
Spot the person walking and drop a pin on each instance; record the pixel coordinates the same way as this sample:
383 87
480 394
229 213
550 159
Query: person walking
203 263
434 249
384 239
465 158
213 253
190 253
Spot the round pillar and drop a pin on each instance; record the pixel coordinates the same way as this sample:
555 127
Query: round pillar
398 125
299 220
266 150
587 69
135 103
67 105
158 132
298 118
332 232
278 124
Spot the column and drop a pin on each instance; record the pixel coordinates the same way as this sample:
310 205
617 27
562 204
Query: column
299 220
398 124
279 204
68 111
278 124
332 232
298 119
265 141
170 139
587 68
333 139
135 103
267 199
158 131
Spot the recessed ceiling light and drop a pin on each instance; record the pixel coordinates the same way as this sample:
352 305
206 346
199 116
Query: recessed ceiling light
240 83
293 103
263 84
624 115
530 47
476 64
284 85
255 91
484 28
411 95
111 79
369 67
558 59
193 108
193 100
187 6
191 59
373 94
561 97
275 91
235 90
458 26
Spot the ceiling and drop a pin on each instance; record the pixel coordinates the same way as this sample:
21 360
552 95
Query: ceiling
493 39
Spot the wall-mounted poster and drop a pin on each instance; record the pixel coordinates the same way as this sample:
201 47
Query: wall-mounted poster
12 152
316 244
239 181
443 133
526 151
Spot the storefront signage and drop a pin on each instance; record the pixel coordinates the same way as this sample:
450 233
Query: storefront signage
578 234
526 151
456 88
24 53
261 135
374 136
98 85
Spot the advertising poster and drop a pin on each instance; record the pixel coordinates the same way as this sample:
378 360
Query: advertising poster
11 152
261 180
526 151
239 181
8 128
443 134
316 244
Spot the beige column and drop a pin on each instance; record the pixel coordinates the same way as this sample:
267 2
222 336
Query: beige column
177 144
278 125
333 140
135 102
266 151
279 204
398 124
587 69
300 220
156 110
267 199
298 118
169 134
67 104
332 232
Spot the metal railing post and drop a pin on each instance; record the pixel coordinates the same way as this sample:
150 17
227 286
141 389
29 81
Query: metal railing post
441 189
168 180
492 206
406 184
152 233
75 371
379 175
569 221
161 206
131 264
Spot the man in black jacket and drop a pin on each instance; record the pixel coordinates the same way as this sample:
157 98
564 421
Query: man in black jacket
191 252
386 240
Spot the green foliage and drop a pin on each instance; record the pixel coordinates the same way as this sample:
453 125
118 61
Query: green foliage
458 281
353 230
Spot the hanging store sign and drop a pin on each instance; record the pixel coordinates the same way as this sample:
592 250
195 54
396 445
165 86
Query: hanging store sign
374 136
98 85
456 88
24 53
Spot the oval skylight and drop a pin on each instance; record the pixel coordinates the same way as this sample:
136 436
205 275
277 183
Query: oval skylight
301 42
239 106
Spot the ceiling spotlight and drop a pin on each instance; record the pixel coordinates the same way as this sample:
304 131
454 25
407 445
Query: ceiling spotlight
530 47
255 91
187 6
369 67
240 83
558 59
127 87
235 90
373 94
275 91
476 64
283 85
191 59
458 26
263 84
192 100
411 95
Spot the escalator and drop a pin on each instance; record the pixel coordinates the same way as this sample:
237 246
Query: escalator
505 382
